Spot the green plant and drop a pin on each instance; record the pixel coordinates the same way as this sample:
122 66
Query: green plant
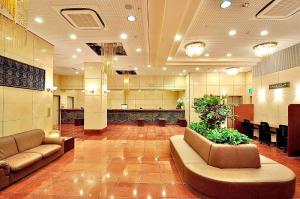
220 135
213 110
179 104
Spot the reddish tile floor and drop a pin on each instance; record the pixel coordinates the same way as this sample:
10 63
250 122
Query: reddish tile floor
118 164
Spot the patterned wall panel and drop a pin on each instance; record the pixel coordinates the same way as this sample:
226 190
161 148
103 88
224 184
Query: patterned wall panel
20 75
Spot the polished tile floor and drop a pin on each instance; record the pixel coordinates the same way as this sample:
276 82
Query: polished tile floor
118 164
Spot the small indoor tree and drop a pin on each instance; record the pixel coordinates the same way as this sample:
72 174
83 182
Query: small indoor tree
212 110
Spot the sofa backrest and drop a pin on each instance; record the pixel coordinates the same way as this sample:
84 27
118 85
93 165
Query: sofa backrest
200 144
29 139
8 147
223 155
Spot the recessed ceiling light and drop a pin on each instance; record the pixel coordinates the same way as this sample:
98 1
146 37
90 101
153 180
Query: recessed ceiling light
206 55
78 50
229 54
232 32
232 71
43 50
131 18
73 36
264 33
170 58
74 56
115 59
225 4
149 66
177 37
138 50
76 72
197 68
164 68
123 36
8 38
38 20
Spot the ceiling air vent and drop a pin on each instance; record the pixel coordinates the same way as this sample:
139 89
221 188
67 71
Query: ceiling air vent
279 9
83 18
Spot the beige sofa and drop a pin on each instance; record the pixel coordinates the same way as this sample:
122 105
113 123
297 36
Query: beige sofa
229 172
23 153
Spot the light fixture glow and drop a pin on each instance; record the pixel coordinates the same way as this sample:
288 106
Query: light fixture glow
149 66
261 95
43 50
229 54
265 49
74 56
38 20
197 68
135 68
232 32
264 33
8 38
232 71
78 50
73 36
170 58
225 4
184 71
164 68
206 55
124 36
131 18
115 59
177 37
76 72
194 49
138 50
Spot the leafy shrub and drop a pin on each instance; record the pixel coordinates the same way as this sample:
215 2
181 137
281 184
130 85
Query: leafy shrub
213 110
220 135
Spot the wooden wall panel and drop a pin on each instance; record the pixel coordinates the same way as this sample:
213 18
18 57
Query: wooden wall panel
243 111
294 130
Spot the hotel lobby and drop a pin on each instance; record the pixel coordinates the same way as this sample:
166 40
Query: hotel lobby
149 99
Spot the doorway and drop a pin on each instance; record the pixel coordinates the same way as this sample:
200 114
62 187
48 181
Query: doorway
56 111
70 102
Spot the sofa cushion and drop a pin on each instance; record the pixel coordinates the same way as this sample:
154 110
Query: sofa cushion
45 150
185 151
198 143
232 156
265 160
22 160
8 147
29 139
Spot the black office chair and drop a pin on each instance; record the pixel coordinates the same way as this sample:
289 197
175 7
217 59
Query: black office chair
282 137
248 128
265 133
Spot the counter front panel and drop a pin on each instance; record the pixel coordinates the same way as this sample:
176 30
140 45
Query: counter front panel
150 116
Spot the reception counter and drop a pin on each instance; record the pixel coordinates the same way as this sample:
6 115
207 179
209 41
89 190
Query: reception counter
149 115
72 116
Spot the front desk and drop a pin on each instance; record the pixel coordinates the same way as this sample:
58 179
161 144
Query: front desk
72 116
149 115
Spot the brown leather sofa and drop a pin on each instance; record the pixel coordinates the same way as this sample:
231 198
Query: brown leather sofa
23 153
229 172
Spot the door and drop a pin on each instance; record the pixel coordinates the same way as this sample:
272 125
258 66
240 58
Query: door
56 111
70 102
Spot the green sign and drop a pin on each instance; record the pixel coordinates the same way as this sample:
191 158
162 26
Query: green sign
280 85
250 90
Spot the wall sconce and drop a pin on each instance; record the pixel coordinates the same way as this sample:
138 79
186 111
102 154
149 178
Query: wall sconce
278 94
261 95
92 89
51 89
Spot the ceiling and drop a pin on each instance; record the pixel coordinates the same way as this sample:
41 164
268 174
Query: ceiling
158 21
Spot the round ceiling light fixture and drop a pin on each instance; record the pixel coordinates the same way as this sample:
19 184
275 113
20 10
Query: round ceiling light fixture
265 49
131 18
194 49
225 4
232 71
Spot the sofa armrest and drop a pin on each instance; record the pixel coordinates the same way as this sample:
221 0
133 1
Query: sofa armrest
5 167
49 140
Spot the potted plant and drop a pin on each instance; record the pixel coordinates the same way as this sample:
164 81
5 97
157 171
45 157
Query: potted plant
179 104
213 112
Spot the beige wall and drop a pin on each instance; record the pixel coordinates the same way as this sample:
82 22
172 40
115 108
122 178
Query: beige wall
69 86
95 114
146 82
23 109
147 99
272 105
199 84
